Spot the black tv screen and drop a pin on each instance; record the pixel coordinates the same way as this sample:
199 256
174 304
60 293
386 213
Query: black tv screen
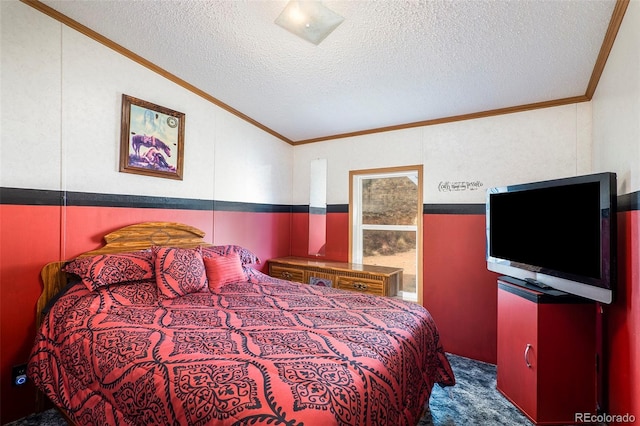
560 233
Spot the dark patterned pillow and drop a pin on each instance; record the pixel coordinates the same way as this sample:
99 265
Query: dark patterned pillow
105 269
179 271
246 256
223 270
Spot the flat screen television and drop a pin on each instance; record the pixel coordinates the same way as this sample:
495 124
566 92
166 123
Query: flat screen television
558 233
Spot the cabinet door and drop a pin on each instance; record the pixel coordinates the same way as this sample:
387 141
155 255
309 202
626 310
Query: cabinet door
518 351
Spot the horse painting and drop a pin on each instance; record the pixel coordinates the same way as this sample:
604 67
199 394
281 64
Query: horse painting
149 141
154 155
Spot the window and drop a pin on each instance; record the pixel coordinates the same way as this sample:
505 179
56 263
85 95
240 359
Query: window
386 222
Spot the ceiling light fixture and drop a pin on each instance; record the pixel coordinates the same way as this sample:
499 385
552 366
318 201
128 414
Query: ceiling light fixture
309 19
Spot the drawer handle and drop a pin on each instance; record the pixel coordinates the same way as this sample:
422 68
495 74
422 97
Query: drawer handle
360 286
526 355
287 275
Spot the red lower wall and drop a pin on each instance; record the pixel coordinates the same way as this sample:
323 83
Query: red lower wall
267 235
29 238
458 290
622 318
85 226
337 244
300 234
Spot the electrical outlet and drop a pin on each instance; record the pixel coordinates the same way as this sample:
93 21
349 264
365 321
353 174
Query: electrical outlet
19 375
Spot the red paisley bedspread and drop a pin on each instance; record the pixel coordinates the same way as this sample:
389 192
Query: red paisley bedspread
273 352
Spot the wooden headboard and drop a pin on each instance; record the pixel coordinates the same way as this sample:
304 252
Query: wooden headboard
130 238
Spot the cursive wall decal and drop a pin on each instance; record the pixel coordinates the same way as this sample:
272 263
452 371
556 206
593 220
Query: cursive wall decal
459 186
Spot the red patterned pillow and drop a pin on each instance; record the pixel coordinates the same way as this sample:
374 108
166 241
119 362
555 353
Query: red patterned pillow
223 270
105 269
246 256
179 271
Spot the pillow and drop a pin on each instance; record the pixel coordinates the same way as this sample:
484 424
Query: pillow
223 270
105 269
246 257
179 271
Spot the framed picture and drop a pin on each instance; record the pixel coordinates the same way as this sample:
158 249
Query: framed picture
151 139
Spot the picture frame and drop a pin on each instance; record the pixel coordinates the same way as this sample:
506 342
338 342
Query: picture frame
151 139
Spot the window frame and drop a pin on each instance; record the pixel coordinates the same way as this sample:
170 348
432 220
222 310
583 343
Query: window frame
355 215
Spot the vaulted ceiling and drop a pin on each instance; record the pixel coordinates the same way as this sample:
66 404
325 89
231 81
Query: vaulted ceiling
391 64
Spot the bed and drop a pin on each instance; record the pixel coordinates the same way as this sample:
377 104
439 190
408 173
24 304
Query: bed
120 345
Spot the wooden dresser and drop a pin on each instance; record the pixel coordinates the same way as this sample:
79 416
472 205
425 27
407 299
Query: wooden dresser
370 279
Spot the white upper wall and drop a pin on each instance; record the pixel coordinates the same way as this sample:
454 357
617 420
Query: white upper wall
61 115
616 107
30 93
494 151
504 150
61 97
250 164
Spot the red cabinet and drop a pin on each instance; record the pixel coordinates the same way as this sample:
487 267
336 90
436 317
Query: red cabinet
546 358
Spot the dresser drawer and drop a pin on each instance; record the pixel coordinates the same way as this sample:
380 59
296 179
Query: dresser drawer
363 285
286 273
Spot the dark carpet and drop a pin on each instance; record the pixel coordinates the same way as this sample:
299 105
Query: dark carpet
474 400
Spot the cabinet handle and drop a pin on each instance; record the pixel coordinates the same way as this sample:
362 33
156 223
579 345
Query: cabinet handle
526 355
360 286
286 275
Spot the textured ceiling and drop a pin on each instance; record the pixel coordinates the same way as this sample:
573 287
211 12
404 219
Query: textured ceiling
390 63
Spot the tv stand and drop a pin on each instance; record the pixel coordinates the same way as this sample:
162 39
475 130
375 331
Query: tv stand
546 358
